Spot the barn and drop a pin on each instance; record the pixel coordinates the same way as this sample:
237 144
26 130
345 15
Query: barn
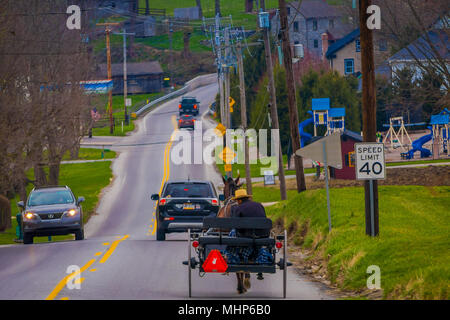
142 77
348 140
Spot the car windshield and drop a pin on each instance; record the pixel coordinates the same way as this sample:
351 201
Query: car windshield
191 101
48 197
188 190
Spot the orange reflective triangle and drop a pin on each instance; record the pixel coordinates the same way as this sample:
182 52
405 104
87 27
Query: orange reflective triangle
215 262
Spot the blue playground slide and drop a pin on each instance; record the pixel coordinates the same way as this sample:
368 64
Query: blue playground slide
305 136
417 145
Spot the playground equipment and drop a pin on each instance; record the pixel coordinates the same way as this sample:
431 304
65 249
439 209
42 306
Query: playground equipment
391 134
305 136
439 135
441 130
417 145
333 118
322 114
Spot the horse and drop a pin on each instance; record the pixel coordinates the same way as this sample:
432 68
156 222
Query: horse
230 187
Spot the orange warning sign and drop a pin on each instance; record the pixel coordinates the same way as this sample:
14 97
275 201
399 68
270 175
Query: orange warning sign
215 262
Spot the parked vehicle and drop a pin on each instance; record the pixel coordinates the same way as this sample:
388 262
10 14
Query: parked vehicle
51 211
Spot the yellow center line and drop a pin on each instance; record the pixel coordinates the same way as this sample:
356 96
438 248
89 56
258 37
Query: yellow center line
67 278
112 248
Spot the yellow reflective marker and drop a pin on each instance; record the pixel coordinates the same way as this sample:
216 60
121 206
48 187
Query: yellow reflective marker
98 253
220 130
106 243
64 298
92 270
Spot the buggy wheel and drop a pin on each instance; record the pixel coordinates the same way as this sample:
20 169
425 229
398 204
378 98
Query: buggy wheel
189 263
284 264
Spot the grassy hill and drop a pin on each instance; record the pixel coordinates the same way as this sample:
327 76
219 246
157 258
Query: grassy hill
412 249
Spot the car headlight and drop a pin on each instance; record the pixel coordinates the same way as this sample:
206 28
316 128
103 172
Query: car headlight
71 212
29 215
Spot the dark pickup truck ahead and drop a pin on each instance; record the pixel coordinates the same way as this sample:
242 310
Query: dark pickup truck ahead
189 105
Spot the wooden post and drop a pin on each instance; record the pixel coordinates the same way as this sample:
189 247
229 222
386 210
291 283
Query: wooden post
274 108
108 59
248 177
292 100
369 109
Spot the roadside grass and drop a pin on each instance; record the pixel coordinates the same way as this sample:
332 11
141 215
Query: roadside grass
236 8
412 249
401 163
91 154
255 169
118 113
261 194
163 41
85 179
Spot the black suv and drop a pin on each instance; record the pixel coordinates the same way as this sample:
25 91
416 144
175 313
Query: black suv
189 105
51 211
183 205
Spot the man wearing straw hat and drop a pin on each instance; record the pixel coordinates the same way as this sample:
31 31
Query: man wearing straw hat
247 208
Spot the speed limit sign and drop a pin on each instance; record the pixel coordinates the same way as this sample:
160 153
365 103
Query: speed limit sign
370 164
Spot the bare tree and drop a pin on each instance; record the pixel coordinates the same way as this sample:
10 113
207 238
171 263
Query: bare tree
412 25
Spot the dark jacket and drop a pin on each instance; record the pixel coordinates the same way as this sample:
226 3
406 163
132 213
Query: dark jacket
250 209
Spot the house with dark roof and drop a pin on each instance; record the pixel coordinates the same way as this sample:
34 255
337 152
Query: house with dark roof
432 47
308 21
344 55
142 77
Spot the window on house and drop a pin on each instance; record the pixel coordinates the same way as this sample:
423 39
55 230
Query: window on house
295 26
382 45
331 23
296 42
288 10
314 24
316 43
358 45
349 66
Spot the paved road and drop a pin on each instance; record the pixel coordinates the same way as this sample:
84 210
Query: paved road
120 258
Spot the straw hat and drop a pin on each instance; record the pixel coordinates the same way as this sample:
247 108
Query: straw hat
241 194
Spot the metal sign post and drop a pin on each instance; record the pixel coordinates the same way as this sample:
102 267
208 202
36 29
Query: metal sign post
328 151
370 165
325 167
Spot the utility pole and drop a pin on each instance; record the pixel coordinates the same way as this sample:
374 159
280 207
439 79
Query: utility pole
248 177
125 83
369 109
170 30
227 78
273 107
108 59
292 101
218 45
227 86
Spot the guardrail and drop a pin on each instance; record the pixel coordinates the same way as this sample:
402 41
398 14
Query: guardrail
190 85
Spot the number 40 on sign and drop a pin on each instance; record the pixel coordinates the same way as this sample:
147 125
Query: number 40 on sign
370 162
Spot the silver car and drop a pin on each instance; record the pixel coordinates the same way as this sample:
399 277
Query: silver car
51 211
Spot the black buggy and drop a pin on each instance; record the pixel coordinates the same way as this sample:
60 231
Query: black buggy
261 252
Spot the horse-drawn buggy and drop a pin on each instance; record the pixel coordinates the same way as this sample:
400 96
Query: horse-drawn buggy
219 251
